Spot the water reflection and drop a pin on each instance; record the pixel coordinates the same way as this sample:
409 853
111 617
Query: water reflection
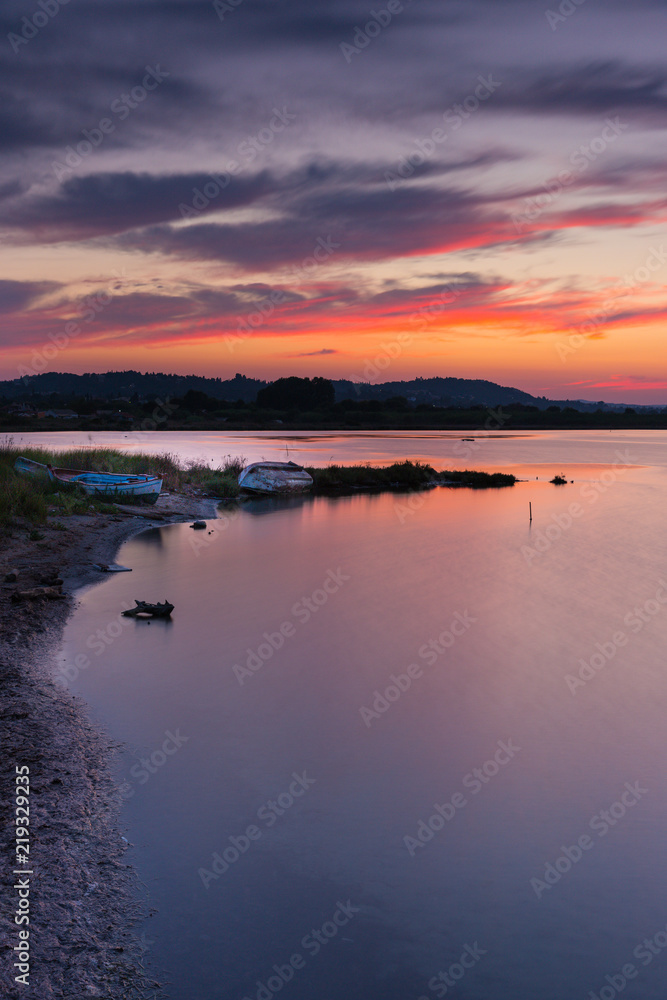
271 505
151 537
389 653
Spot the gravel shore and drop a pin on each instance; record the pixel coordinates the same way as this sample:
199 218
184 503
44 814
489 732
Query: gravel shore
84 898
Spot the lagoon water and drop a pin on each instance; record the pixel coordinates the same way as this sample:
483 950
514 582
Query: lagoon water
337 669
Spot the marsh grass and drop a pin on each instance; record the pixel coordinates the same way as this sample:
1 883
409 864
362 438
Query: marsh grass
221 482
479 480
401 475
334 478
31 497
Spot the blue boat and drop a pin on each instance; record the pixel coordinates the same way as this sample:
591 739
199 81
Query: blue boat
120 487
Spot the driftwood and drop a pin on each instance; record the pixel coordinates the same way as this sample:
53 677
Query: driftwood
129 511
48 593
152 610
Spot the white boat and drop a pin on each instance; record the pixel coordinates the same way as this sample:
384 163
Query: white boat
111 485
275 477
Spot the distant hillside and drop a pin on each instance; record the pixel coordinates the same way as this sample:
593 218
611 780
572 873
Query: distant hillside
453 392
439 391
113 385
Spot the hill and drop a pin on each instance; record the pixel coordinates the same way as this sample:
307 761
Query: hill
133 385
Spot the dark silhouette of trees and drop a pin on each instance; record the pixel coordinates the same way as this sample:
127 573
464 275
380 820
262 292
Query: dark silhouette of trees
297 394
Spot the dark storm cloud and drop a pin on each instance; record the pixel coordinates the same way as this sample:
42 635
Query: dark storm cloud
594 89
466 282
18 295
111 203
21 127
102 204
349 223
48 105
11 189
194 304
223 77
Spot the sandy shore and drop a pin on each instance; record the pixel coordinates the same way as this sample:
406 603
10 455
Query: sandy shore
84 898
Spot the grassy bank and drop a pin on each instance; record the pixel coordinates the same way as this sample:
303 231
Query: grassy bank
32 497
400 476
477 480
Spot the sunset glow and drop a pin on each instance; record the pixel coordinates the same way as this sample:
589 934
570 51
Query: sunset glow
475 191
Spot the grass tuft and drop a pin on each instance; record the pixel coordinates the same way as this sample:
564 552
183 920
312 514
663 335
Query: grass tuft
478 480
400 475
31 496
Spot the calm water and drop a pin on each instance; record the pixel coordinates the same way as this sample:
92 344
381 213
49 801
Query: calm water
500 448
430 655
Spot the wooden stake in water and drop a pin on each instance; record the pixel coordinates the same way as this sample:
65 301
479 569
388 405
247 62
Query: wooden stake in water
530 507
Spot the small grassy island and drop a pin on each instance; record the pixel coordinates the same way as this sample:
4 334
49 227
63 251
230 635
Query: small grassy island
34 498
400 476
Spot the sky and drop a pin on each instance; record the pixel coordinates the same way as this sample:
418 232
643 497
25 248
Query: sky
468 188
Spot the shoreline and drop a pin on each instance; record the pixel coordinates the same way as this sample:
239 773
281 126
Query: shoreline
85 900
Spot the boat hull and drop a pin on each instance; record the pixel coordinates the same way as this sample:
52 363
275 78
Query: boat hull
280 478
108 485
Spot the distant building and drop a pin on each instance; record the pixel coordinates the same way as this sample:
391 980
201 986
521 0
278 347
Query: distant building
59 414
113 415
20 410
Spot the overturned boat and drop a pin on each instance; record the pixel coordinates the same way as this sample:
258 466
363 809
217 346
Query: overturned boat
111 485
275 477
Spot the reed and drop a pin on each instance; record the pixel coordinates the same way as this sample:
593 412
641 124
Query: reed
400 475
31 497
